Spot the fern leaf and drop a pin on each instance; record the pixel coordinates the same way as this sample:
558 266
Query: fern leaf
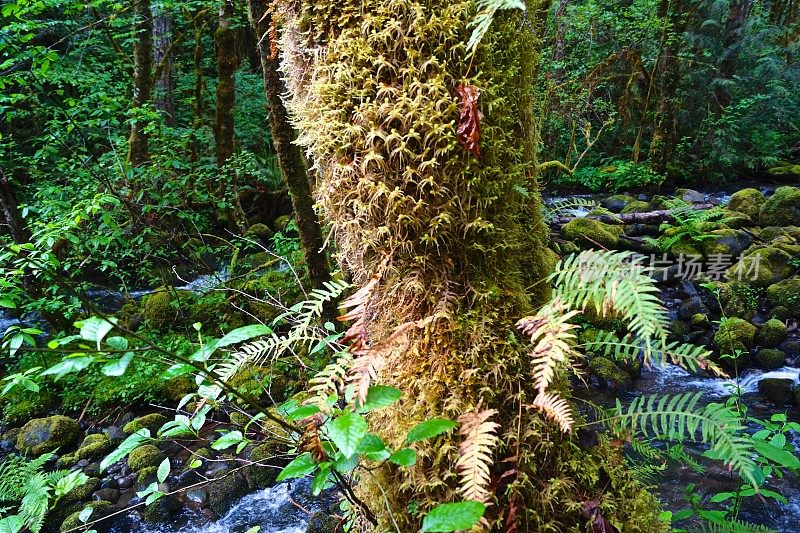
476 454
552 336
733 526
554 408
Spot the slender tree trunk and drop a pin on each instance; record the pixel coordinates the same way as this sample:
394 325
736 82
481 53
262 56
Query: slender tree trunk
138 152
731 47
444 245
289 155
559 48
165 84
227 64
197 95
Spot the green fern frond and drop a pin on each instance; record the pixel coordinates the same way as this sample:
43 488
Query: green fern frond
679 418
733 526
551 211
482 21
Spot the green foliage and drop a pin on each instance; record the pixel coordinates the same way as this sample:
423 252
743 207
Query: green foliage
691 226
617 175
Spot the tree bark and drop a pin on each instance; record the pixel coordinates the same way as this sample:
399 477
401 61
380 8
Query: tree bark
197 95
444 244
162 54
731 47
227 64
138 152
290 158
559 48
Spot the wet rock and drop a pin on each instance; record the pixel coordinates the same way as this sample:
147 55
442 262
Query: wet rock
772 333
260 233
42 435
152 422
224 492
747 201
591 233
761 266
106 495
786 294
609 375
127 482
726 241
268 465
617 203
162 510
782 208
735 337
99 510
637 207
690 196
790 348
700 321
770 358
322 523
145 456
198 497
109 484
115 434
777 390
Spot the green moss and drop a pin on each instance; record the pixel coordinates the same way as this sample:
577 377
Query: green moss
223 492
601 212
747 201
176 388
99 510
260 233
157 309
772 333
153 422
782 208
636 207
738 299
144 456
609 374
777 390
82 493
770 358
592 233
786 294
700 321
146 476
735 335
618 202
24 405
42 435
263 474
761 266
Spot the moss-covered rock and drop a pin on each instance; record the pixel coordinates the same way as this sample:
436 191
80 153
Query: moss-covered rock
153 422
770 358
747 201
735 335
592 233
42 435
23 405
268 464
322 523
782 208
603 212
157 309
772 333
636 206
260 233
161 511
786 294
725 241
761 266
777 390
739 300
785 170
176 388
224 492
99 510
700 321
144 456
617 202
609 375
146 476
93 447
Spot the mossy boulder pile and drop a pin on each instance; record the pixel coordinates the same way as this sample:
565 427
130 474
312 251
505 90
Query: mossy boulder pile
782 208
747 201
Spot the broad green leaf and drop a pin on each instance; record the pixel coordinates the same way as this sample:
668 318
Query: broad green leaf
379 396
85 514
95 329
178 370
449 517
8 304
69 365
301 466
304 411
117 343
227 440
163 470
777 455
126 447
118 367
347 432
404 457
429 428
234 337
320 479
722 496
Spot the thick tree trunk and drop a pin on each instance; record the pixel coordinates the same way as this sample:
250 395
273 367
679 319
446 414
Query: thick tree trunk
453 244
731 47
289 155
162 55
227 64
138 153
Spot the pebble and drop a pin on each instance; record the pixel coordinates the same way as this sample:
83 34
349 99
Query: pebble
106 495
197 496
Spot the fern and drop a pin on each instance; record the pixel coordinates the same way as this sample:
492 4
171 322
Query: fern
330 380
476 454
679 418
552 211
555 408
482 21
732 526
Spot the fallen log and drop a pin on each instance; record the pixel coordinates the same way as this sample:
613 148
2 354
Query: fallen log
652 217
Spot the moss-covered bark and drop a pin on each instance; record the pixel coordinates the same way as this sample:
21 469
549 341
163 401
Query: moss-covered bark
290 158
456 237
227 64
138 152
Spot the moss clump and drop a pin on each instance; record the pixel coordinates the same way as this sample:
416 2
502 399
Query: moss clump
777 390
24 405
618 202
94 446
603 212
176 388
786 294
99 510
772 333
42 435
747 201
259 233
153 422
146 476
157 309
782 208
636 207
725 241
700 321
224 492
144 456
592 233
770 358
82 493
738 299
263 474
609 374
761 266
735 335
322 523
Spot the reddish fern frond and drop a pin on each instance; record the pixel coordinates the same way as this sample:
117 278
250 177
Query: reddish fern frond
554 408
476 454
357 305
552 337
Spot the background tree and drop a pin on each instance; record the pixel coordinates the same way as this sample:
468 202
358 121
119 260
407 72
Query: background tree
138 152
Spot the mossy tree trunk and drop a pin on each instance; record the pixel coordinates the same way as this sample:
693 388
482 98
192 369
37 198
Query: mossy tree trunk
227 64
197 94
138 152
290 157
453 237
738 16
162 55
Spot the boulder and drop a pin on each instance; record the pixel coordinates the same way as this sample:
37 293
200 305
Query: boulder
782 208
777 390
145 456
609 375
637 206
259 233
268 465
592 233
761 266
99 510
770 358
617 203
785 294
772 333
225 491
42 435
735 335
153 422
726 241
790 348
322 523
747 201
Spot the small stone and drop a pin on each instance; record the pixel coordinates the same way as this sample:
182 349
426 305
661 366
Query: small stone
107 495
198 497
